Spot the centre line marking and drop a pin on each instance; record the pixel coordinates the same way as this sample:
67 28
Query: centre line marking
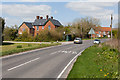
23 64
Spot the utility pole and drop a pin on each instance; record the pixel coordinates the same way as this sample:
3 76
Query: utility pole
81 31
111 25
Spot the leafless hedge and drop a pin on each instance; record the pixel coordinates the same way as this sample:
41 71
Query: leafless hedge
112 43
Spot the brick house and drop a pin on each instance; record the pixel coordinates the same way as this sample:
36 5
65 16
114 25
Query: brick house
102 32
39 24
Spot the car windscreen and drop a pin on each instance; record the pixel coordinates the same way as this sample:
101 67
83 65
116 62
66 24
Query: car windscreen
96 40
78 39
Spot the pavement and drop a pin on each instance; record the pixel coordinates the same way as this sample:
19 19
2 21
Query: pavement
53 62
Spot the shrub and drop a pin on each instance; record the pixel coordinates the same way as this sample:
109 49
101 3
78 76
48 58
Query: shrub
10 33
112 43
44 36
52 42
29 45
19 46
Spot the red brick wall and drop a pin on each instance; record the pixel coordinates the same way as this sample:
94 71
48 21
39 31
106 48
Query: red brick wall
23 26
32 31
45 27
97 32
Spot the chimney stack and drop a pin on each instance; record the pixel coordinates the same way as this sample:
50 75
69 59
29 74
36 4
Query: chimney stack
51 17
47 17
41 17
37 17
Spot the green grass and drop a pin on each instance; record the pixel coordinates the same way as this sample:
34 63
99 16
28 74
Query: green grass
98 61
8 49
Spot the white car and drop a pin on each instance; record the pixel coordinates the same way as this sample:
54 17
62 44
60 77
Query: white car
97 41
77 41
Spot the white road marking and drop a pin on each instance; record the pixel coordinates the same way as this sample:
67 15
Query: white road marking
63 51
69 47
68 65
23 64
55 52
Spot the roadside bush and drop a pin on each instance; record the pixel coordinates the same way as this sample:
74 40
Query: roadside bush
10 33
43 36
19 46
25 37
29 45
48 35
112 43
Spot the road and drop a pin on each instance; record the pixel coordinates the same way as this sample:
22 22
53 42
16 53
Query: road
46 63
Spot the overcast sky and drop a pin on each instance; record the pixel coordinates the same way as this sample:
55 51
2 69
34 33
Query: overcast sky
18 11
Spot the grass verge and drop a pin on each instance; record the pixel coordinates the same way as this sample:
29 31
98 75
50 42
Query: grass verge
98 61
21 47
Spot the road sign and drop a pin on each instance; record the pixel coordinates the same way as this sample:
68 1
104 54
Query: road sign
91 31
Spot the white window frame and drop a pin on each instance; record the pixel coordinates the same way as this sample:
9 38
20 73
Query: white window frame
23 29
49 27
37 28
42 27
104 33
20 32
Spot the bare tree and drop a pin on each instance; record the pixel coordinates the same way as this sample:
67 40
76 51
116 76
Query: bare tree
82 26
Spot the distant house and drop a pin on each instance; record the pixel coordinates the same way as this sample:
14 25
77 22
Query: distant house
102 32
39 24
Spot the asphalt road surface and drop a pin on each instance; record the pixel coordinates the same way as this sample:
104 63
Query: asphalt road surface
46 63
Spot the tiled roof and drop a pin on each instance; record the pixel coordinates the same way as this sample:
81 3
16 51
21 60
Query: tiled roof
104 28
42 22
55 22
39 22
29 24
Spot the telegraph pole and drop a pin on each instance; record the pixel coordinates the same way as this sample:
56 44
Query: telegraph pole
81 31
111 25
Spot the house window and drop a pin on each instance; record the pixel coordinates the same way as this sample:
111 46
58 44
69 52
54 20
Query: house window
37 28
20 32
23 29
104 33
49 27
97 34
37 34
42 27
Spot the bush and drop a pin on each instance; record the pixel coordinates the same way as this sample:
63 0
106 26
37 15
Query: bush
52 42
19 46
48 35
29 45
10 33
44 36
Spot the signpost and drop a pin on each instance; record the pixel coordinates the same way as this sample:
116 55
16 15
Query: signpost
91 32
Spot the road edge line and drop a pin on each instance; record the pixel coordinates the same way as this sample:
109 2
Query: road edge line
69 64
